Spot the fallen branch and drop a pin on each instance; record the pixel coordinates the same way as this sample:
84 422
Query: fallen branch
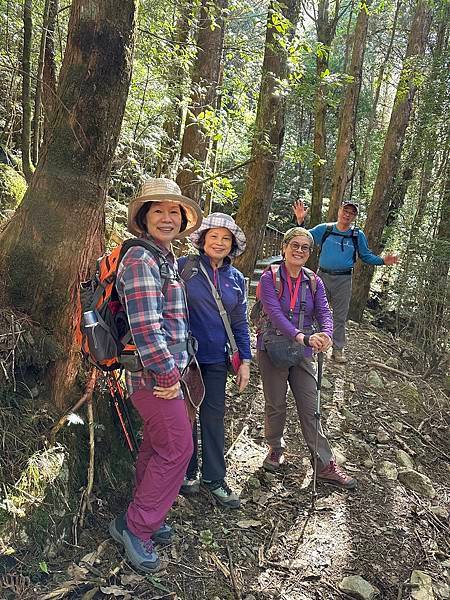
241 433
84 398
379 365
237 593
86 496
425 441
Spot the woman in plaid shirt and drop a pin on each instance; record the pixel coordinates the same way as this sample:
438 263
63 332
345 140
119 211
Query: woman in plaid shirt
150 289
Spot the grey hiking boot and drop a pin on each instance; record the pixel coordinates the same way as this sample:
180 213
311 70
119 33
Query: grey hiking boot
141 553
334 475
274 459
221 493
162 536
339 356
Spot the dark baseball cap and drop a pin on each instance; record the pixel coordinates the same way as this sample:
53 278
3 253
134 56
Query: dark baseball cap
350 203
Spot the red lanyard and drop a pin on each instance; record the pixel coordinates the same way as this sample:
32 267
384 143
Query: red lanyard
294 295
215 277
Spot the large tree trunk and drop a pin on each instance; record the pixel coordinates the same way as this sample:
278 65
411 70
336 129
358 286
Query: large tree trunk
27 165
348 114
390 157
205 77
326 29
46 248
269 129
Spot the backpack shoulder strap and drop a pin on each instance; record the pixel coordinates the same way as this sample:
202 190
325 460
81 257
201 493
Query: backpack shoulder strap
191 267
355 240
163 265
312 278
278 284
328 231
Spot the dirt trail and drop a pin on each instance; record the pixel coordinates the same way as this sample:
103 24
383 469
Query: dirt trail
275 546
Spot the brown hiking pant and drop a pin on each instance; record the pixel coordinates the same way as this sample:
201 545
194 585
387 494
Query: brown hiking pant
302 379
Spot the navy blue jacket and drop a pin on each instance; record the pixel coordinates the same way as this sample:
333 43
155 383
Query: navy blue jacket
205 321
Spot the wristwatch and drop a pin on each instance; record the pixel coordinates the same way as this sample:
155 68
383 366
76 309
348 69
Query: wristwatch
246 361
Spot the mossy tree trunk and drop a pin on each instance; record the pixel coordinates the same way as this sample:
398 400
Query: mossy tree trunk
205 77
348 114
390 157
256 200
47 247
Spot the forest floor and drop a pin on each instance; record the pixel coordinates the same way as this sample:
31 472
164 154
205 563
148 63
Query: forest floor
276 546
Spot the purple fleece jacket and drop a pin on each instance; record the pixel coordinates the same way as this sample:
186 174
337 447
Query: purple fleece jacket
277 309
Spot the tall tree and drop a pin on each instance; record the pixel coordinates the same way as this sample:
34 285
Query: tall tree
177 76
39 84
205 77
348 114
46 248
256 200
27 165
390 157
49 69
326 30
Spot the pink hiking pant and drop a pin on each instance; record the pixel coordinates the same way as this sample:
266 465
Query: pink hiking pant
164 454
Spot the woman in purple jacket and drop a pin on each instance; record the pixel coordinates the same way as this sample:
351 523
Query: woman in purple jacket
283 314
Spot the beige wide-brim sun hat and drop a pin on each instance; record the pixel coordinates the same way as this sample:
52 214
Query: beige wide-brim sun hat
159 189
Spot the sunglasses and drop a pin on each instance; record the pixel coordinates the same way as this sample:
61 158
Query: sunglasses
296 247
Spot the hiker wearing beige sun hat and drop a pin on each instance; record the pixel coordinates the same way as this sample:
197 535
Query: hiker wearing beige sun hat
159 189
152 296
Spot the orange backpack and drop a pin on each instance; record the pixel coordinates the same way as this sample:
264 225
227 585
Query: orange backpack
106 339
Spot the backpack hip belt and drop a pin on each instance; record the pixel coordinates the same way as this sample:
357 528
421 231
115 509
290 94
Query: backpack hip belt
341 272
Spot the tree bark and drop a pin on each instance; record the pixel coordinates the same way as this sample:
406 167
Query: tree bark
326 29
47 247
390 157
39 84
363 157
254 208
177 80
27 165
195 144
348 113
49 70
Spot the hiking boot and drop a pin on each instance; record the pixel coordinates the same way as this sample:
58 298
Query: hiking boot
190 487
274 459
141 553
339 356
221 493
334 475
162 536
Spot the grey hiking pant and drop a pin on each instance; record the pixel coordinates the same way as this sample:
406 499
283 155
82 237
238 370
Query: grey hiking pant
302 379
339 292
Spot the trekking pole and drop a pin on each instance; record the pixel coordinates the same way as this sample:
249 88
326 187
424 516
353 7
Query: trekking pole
117 396
317 415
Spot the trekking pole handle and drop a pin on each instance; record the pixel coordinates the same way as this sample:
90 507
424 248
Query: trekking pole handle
319 370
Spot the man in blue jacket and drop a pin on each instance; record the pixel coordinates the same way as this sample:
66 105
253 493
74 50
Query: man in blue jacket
339 245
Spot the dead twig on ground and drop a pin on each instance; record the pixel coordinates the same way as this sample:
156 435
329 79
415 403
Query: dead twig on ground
241 433
425 441
85 501
379 365
234 581
84 398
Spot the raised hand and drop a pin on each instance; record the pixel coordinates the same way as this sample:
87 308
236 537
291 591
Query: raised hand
300 211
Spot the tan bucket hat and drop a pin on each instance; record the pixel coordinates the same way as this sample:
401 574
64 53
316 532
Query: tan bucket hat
159 189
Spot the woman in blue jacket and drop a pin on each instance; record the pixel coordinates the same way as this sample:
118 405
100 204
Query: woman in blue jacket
218 240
